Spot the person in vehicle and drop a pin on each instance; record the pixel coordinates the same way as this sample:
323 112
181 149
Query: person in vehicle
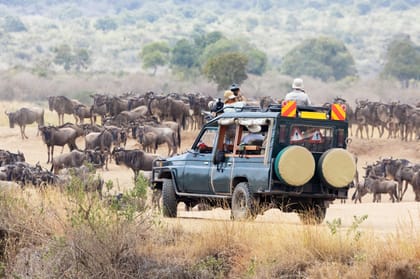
255 137
231 102
298 94
237 92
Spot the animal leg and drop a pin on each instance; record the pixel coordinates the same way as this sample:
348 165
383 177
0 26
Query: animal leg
405 189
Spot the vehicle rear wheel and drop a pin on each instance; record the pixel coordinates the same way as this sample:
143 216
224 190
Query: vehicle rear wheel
312 214
170 202
243 203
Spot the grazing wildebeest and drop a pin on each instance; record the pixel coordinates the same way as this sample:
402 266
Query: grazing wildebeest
58 136
25 116
135 159
62 105
74 158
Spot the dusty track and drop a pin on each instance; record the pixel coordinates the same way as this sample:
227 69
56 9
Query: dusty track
382 218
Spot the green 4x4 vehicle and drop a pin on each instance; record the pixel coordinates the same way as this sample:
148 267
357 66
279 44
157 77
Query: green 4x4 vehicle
287 157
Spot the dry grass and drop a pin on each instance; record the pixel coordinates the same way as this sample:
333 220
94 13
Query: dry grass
47 237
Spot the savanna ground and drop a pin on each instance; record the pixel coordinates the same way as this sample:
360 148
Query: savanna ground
368 240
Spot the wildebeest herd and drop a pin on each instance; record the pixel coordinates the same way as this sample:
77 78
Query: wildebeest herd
154 119
389 176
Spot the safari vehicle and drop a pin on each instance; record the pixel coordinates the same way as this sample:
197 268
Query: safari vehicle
287 157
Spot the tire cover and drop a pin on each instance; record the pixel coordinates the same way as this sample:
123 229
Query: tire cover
295 165
337 167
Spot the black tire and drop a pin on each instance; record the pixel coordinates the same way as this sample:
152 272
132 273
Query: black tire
312 214
243 203
170 202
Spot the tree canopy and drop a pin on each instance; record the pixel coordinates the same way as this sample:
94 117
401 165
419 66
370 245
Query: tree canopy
226 68
69 58
324 58
155 54
403 60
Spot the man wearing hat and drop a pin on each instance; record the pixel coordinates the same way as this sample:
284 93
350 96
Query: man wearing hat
237 92
298 94
230 100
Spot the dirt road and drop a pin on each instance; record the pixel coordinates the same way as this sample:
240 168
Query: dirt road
385 217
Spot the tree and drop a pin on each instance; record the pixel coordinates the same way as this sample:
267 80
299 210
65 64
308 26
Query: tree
64 55
324 58
226 68
257 62
184 54
220 46
13 24
105 24
155 54
402 60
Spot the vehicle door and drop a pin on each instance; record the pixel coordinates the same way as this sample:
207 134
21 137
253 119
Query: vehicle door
196 172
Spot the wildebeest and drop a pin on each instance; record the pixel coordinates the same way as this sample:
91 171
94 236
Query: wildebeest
99 106
148 141
58 136
62 105
135 159
100 141
416 185
7 157
74 158
399 170
26 116
88 182
163 135
378 185
83 111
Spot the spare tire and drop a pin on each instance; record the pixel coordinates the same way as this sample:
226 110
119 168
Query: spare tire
337 167
295 165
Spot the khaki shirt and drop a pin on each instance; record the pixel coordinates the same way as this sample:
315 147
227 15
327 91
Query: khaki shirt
300 97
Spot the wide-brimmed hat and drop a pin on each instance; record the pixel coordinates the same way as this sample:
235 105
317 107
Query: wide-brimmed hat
297 84
254 128
228 95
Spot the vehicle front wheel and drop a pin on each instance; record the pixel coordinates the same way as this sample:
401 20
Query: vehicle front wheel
170 201
243 203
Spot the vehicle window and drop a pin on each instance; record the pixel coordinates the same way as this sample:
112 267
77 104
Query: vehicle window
206 142
316 139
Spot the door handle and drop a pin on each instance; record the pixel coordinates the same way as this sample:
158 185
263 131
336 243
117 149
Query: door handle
229 164
206 163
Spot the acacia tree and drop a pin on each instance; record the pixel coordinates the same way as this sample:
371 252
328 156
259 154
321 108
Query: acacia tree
226 68
155 54
324 58
403 61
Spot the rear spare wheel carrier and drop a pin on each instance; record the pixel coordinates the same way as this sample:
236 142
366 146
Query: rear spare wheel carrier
295 165
337 167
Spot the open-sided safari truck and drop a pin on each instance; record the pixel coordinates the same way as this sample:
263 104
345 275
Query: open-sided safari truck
289 157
